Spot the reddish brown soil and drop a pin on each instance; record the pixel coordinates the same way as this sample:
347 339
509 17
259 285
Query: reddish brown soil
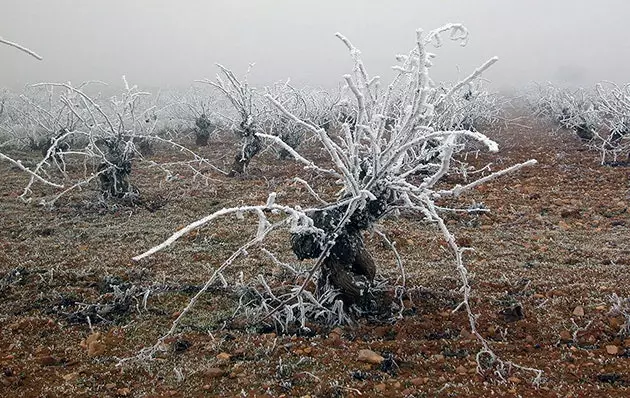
556 239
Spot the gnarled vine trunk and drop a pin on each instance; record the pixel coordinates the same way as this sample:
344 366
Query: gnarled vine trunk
251 145
115 171
202 130
584 132
349 267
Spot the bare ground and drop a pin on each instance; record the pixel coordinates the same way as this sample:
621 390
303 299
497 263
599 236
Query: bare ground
555 245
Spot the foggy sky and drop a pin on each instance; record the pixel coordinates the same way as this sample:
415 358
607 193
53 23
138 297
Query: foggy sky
158 43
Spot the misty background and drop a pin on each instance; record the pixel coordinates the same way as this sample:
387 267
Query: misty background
169 44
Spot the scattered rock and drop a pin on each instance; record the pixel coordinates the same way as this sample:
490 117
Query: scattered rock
513 313
612 349
214 373
578 311
224 356
181 345
91 338
71 376
565 336
418 381
610 378
123 392
461 370
380 387
465 334
337 331
96 348
370 356
47 360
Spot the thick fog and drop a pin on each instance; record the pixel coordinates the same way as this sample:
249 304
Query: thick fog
158 43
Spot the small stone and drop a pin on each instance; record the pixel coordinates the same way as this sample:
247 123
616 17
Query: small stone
380 387
465 334
71 376
370 356
514 380
47 360
110 386
418 381
224 356
612 349
337 331
615 323
438 357
91 338
214 373
96 348
308 350
123 392
461 370
578 311
565 336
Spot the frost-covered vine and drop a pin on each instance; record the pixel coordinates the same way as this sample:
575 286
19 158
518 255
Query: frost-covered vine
388 158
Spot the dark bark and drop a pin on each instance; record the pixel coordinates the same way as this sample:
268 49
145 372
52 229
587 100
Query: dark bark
114 182
115 171
201 138
251 145
203 127
349 267
615 137
584 131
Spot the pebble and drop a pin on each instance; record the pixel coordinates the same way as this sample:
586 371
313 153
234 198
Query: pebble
565 336
224 356
578 311
418 381
214 373
370 356
47 360
71 376
612 349
96 348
